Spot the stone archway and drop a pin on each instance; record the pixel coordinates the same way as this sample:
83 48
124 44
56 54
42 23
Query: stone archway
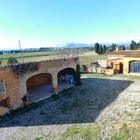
66 78
39 87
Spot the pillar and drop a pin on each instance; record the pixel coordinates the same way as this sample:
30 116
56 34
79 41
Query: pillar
55 83
126 67
23 91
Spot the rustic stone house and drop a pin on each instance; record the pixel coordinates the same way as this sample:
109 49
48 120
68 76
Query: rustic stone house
17 81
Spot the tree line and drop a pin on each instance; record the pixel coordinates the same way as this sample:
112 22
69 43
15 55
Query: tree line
134 45
102 49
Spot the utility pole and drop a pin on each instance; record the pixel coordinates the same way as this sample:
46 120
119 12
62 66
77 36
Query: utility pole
21 51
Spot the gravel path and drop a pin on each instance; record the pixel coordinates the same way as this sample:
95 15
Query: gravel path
99 102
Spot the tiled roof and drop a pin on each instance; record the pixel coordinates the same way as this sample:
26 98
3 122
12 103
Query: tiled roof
130 53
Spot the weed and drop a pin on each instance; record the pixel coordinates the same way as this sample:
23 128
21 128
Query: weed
39 138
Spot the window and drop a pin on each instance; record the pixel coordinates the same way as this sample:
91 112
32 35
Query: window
2 87
135 67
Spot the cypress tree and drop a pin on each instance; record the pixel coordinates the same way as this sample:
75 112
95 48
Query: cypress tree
104 49
78 82
96 47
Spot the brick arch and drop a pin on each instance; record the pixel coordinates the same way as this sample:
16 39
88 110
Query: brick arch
28 76
66 75
68 67
38 79
38 87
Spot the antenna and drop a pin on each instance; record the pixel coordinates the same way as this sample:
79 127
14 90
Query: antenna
21 51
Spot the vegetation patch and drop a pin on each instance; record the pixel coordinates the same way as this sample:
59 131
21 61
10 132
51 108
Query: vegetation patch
128 131
87 132
12 60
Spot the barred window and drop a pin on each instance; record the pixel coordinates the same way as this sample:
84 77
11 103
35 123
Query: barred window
2 87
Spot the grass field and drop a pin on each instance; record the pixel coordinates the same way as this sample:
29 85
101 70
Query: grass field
89 57
85 57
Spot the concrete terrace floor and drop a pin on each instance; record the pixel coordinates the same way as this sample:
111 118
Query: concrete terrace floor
103 107
41 92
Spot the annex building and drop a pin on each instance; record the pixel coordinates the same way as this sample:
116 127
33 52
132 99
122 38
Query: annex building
23 84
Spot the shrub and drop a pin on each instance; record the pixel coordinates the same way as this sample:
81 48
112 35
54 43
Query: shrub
12 60
0 62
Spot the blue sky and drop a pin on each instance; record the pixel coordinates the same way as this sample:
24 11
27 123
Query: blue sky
41 23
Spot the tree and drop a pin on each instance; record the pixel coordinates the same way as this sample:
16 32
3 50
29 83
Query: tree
69 52
113 47
78 82
104 49
133 45
96 47
12 60
123 48
100 50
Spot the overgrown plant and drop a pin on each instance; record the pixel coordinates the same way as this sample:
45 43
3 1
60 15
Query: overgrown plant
21 69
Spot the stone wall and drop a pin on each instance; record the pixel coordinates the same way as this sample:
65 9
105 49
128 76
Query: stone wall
10 100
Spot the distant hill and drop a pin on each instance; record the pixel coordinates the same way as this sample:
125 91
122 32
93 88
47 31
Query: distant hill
78 45
83 45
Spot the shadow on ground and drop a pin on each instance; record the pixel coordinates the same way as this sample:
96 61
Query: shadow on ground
81 104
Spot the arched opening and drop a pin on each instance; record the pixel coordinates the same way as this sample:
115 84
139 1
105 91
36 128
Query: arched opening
39 87
66 78
134 67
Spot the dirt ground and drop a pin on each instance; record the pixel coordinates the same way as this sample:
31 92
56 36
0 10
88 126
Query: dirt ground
101 108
